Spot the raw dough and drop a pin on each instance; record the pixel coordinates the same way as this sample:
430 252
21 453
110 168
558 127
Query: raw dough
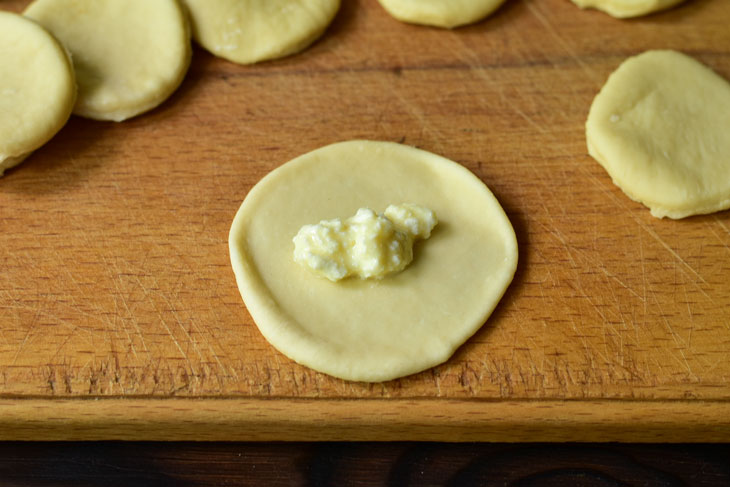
129 55
661 128
440 13
627 8
37 88
372 330
249 31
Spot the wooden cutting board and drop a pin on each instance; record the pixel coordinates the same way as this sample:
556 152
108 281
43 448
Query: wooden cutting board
119 313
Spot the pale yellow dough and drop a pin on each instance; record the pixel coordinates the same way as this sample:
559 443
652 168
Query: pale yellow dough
628 8
661 128
37 88
440 13
129 55
249 31
372 330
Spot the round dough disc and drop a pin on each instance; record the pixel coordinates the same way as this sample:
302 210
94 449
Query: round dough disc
440 13
627 8
37 88
661 128
249 31
372 330
129 55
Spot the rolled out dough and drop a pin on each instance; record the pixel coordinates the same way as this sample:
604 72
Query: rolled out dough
372 330
37 88
249 31
440 13
627 8
660 126
129 55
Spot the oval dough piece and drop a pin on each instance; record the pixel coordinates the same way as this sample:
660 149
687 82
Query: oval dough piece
661 128
372 330
129 55
440 13
627 8
37 88
249 31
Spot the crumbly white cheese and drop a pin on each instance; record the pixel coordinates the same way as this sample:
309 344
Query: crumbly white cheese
367 245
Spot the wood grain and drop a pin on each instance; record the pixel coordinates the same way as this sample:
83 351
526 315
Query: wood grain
421 419
116 281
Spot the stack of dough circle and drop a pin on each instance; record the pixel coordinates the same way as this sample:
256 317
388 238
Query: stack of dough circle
249 31
129 55
661 128
372 330
37 88
440 13
627 8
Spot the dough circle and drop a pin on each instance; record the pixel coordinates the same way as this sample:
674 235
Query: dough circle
129 55
372 330
440 13
249 31
628 8
37 88
660 126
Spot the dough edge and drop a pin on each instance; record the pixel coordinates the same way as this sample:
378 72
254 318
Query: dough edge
8 161
438 15
656 207
620 10
294 46
281 330
122 110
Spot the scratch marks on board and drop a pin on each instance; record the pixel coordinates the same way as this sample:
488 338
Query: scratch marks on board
470 57
712 229
416 111
29 332
653 234
540 16
676 256
722 224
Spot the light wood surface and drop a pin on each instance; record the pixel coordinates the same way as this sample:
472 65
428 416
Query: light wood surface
116 283
418 419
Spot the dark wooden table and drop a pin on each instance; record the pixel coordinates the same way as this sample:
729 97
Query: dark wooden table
361 464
